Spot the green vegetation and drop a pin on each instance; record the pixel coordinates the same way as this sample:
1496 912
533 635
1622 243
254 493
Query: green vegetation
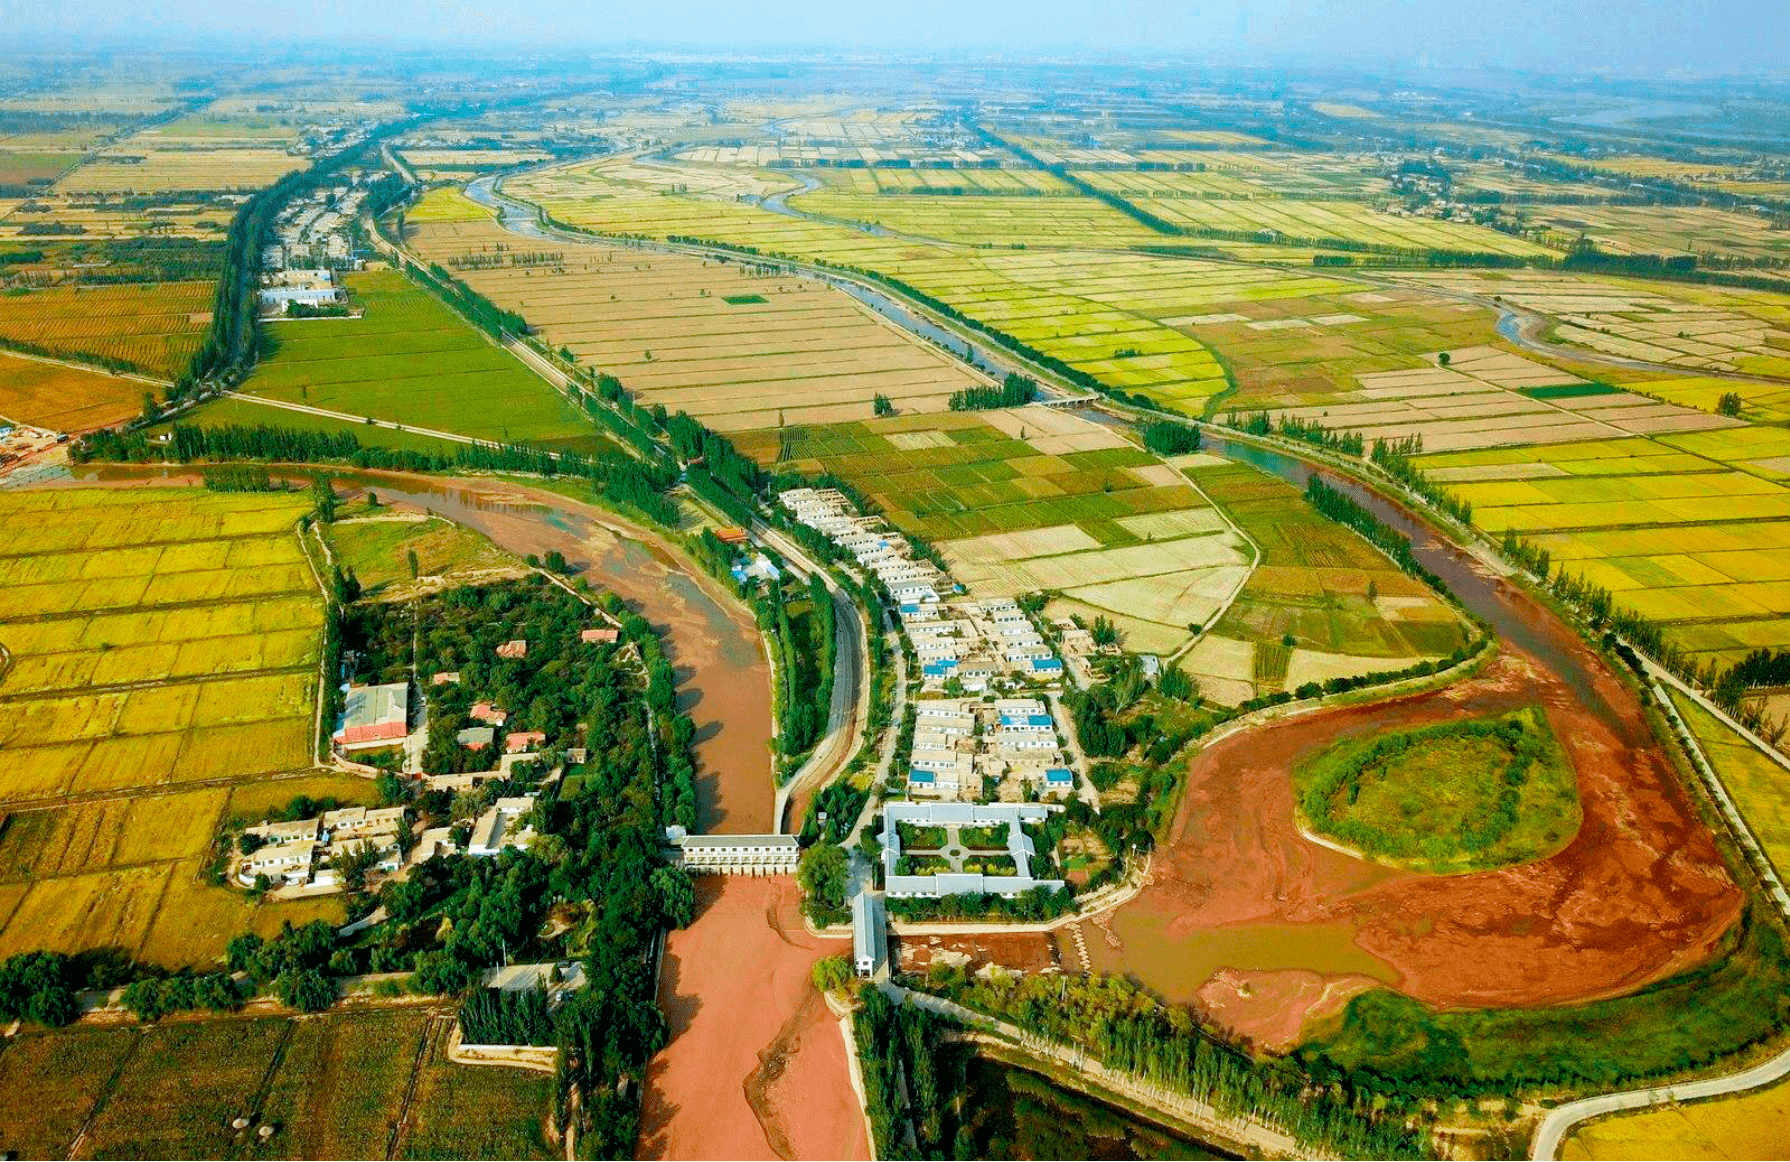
1460 796
1568 390
1125 1029
743 300
1015 391
409 359
1397 1045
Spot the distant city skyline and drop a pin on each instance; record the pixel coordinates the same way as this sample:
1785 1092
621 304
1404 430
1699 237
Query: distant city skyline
1681 36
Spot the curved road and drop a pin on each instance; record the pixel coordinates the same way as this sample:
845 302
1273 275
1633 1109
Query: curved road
1520 327
1553 1129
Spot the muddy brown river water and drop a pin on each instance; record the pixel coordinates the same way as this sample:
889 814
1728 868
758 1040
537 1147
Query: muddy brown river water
724 681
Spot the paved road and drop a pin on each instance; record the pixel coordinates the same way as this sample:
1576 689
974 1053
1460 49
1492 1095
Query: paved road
1554 1127
353 419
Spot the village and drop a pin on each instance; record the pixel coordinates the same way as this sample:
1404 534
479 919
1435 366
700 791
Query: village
986 723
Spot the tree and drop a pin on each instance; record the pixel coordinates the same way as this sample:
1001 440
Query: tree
676 894
410 556
354 864
882 406
1729 404
1444 359
832 973
823 875
305 989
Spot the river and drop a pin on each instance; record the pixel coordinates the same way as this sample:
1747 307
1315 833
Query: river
1639 893
712 643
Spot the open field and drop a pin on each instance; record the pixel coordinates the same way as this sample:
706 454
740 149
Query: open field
376 547
410 359
1663 229
1347 609
732 346
64 399
1693 327
1486 398
143 165
159 639
334 1087
156 326
197 215
989 221
1759 786
1688 529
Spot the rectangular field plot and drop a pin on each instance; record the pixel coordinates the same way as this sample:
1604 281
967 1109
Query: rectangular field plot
156 637
411 360
153 327
1679 528
735 347
333 1086
63 398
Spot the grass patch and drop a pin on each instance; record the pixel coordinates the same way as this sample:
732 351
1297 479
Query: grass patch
743 300
1461 796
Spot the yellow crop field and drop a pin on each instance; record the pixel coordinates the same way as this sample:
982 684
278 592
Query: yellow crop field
1748 1125
160 637
138 166
64 398
155 327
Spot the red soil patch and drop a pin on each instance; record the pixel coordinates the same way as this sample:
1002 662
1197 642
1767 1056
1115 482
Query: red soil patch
1024 951
1275 1006
1640 893
756 1066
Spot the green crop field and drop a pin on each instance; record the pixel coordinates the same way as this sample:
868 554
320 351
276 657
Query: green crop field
411 360
1759 786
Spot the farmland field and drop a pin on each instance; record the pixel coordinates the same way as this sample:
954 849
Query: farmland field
155 327
163 647
332 1087
64 399
1685 528
1759 786
1346 608
144 166
1747 1125
1030 500
732 346
411 360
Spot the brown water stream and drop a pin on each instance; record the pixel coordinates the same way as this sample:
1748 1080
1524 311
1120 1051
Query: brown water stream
723 679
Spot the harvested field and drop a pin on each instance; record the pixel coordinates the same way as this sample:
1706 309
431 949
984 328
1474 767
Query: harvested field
137 166
730 345
756 1066
153 327
64 399
410 359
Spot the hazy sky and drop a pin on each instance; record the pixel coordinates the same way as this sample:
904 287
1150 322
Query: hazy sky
1665 35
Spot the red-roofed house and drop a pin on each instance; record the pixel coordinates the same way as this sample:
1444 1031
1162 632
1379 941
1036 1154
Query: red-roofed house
445 678
599 635
514 649
521 740
374 714
485 712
